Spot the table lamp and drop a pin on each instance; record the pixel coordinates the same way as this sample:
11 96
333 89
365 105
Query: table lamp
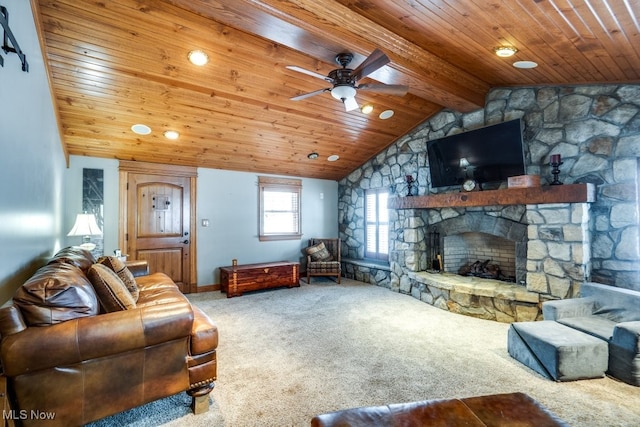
86 226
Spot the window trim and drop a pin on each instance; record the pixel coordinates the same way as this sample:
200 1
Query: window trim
378 256
289 185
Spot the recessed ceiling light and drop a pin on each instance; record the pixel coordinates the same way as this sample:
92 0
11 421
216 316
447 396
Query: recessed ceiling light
386 114
367 108
141 129
312 156
171 134
198 57
505 51
525 64
333 157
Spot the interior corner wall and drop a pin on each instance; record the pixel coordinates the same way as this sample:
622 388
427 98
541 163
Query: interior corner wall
32 161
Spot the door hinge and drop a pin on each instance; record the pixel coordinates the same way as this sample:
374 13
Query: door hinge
126 236
127 186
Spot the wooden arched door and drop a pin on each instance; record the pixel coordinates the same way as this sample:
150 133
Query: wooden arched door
157 219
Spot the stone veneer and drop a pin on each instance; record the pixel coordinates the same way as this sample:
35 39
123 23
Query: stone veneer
552 256
596 129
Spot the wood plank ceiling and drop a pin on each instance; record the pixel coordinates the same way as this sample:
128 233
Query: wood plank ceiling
120 62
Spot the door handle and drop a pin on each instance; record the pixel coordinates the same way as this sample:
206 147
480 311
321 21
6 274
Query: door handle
186 242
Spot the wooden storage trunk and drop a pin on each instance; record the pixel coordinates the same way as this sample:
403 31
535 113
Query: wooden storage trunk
234 280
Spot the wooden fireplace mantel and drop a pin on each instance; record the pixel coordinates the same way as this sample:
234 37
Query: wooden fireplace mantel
567 193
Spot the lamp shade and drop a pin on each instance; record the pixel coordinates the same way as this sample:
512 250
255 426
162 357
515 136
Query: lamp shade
341 92
85 225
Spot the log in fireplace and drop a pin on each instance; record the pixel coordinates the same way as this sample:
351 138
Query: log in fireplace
485 270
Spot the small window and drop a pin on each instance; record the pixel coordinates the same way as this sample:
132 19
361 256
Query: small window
279 208
377 224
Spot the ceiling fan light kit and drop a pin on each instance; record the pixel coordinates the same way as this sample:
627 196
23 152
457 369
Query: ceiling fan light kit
342 92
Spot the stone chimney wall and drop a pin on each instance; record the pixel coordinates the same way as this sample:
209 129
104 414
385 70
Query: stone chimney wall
596 129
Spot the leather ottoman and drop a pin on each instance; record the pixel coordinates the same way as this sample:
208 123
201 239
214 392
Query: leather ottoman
496 410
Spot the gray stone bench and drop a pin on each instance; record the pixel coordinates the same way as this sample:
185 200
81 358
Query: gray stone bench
557 351
375 272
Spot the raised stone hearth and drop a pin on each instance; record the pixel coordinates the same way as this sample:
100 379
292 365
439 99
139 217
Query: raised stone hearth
483 298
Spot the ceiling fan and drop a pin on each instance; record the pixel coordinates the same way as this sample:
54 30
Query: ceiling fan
344 80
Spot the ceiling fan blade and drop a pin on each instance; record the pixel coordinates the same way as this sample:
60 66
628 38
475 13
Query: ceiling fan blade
309 73
399 90
350 104
376 60
309 95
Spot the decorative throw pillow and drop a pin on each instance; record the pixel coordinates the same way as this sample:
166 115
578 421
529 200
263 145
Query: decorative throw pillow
112 293
120 268
56 293
319 252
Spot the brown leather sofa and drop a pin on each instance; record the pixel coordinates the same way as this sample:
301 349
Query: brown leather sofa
496 410
62 354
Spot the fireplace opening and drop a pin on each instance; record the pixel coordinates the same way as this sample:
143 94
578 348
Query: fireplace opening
480 254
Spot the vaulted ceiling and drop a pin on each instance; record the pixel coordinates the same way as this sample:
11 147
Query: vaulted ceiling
122 62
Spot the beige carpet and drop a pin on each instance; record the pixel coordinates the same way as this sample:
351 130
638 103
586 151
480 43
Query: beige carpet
288 354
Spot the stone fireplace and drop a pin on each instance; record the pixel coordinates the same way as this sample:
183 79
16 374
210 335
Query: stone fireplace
545 247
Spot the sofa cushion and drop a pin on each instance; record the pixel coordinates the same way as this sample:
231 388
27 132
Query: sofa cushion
74 255
616 304
56 293
319 252
119 267
324 267
597 326
112 293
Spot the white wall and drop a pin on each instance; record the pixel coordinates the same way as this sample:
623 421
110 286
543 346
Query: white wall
229 200
73 199
32 161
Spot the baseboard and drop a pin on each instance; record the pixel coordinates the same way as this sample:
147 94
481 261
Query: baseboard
208 288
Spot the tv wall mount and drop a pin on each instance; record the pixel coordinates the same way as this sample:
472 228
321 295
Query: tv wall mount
7 37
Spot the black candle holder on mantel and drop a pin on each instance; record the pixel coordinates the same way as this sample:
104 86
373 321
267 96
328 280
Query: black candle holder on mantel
410 183
555 163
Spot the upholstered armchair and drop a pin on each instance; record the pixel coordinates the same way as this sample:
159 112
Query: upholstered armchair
323 258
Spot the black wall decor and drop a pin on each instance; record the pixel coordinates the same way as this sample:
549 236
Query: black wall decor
8 36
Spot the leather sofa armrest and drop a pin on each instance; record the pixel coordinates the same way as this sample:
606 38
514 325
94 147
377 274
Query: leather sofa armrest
87 338
11 321
574 307
204 333
138 267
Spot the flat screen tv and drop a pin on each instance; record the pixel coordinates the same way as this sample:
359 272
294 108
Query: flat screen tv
489 154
